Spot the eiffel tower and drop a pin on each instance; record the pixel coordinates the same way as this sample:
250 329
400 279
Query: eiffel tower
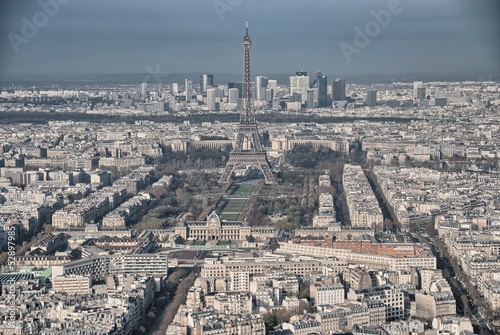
248 150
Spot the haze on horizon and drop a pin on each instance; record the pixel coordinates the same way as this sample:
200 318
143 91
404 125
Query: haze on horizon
179 36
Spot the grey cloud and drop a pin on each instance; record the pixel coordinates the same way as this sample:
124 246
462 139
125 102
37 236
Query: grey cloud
95 36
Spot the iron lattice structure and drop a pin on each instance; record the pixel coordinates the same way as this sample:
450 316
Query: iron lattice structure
248 150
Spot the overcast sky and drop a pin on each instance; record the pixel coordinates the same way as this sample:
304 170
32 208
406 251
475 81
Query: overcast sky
175 36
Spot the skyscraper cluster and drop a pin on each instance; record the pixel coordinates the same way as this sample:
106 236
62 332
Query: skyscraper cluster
315 94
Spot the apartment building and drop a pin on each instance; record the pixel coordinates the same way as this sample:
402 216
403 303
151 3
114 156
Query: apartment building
424 260
228 302
327 294
391 296
72 284
222 268
98 267
364 210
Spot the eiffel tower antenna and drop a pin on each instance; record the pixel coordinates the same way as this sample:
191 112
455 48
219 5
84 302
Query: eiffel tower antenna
248 150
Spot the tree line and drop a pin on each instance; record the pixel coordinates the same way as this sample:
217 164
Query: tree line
271 117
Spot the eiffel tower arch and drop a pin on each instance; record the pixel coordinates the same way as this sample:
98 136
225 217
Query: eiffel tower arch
248 150
245 160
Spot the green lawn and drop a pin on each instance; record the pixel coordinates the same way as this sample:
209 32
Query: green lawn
230 217
243 190
233 206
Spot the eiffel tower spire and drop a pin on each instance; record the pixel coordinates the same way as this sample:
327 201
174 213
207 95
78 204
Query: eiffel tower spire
247 115
248 150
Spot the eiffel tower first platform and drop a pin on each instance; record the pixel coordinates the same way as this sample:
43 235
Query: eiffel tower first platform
248 150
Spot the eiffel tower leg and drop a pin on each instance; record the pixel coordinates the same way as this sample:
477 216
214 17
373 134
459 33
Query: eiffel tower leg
268 174
226 175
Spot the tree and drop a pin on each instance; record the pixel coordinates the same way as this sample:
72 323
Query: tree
304 305
269 321
306 156
281 315
3 258
465 303
304 292
48 228
195 209
266 139
387 224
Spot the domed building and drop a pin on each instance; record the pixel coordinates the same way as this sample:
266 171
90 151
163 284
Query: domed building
214 229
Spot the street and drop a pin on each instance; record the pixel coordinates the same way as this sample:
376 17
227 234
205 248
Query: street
481 324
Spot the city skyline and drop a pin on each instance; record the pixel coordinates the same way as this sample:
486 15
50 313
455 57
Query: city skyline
340 173
390 190
155 38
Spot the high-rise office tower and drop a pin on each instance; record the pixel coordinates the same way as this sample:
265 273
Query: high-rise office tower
233 95
421 93
260 87
188 88
276 103
338 90
144 89
310 99
299 84
223 91
272 83
219 92
322 85
416 86
203 83
206 80
371 98
212 98
175 88
231 85
432 91
248 150
239 86
297 97
269 94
